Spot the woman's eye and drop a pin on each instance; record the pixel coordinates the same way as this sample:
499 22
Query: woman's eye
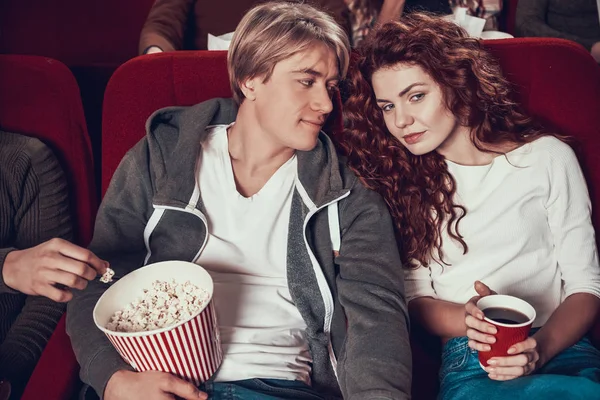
387 107
417 97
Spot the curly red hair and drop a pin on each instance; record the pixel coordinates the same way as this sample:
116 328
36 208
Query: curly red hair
419 190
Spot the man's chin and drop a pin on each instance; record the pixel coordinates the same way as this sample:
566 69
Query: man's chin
308 144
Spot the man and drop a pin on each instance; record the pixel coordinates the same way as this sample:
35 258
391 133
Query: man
261 204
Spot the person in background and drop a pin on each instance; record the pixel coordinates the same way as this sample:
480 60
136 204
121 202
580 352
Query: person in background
308 283
490 10
169 21
185 24
483 199
38 264
576 20
364 15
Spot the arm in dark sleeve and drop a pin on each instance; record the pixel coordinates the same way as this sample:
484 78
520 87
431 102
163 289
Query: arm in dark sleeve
375 362
165 25
118 239
531 21
42 214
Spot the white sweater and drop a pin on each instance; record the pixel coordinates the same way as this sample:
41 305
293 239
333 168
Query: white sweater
528 230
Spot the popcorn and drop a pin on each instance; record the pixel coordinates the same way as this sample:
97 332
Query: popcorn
107 276
164 305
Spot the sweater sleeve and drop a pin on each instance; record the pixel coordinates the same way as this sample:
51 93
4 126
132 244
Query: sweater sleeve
418 283
531 21
569 218
3 287
375 362
165 25
42 214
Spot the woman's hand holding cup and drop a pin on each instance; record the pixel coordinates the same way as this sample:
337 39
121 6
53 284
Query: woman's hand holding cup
480 333
522 362
505 350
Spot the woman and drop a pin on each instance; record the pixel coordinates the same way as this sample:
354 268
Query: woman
479 195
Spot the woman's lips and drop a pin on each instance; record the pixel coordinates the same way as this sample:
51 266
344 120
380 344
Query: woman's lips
413 137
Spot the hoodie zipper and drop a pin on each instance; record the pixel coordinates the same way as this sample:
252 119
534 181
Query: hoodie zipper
322 282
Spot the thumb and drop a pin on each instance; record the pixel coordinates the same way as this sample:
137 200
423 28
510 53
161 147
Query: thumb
482 289
186 390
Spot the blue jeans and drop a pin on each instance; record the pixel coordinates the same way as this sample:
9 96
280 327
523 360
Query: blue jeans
572 374
259 389
249 389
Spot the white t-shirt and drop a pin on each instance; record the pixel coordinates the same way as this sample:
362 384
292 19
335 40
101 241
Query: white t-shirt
528 231
262 331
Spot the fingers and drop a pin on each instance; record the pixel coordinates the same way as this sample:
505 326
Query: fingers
523 363
60 262
471 308
479 325
506 373
81 254
482 289
55 294
528 344
181 388
67 279
479 331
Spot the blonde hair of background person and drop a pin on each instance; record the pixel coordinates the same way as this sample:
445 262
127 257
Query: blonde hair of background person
285 63
263 38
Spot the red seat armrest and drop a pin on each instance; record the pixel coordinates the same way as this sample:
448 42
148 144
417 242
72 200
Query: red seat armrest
55 376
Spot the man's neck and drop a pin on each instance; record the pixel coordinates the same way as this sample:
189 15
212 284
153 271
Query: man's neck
255 155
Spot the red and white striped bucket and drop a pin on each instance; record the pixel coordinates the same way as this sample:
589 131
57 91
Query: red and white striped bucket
190 349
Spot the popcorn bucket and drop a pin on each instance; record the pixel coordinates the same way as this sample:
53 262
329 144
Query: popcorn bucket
190 349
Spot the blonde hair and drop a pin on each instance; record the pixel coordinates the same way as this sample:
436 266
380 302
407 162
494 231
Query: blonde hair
272 32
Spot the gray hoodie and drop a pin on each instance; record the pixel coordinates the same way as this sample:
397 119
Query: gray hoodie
353 303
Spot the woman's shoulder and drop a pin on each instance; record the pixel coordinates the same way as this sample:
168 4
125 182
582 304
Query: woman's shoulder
551 146
552 153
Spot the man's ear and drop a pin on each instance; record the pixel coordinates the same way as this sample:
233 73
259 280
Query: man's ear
248 87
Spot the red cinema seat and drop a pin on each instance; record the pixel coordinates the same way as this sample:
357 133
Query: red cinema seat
39 97
147 83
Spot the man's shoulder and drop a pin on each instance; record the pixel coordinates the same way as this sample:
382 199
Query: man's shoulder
17 150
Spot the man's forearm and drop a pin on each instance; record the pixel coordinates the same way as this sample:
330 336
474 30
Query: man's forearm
391 10
439 317
569 323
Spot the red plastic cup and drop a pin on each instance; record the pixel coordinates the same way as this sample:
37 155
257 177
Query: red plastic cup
507 334
190 349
